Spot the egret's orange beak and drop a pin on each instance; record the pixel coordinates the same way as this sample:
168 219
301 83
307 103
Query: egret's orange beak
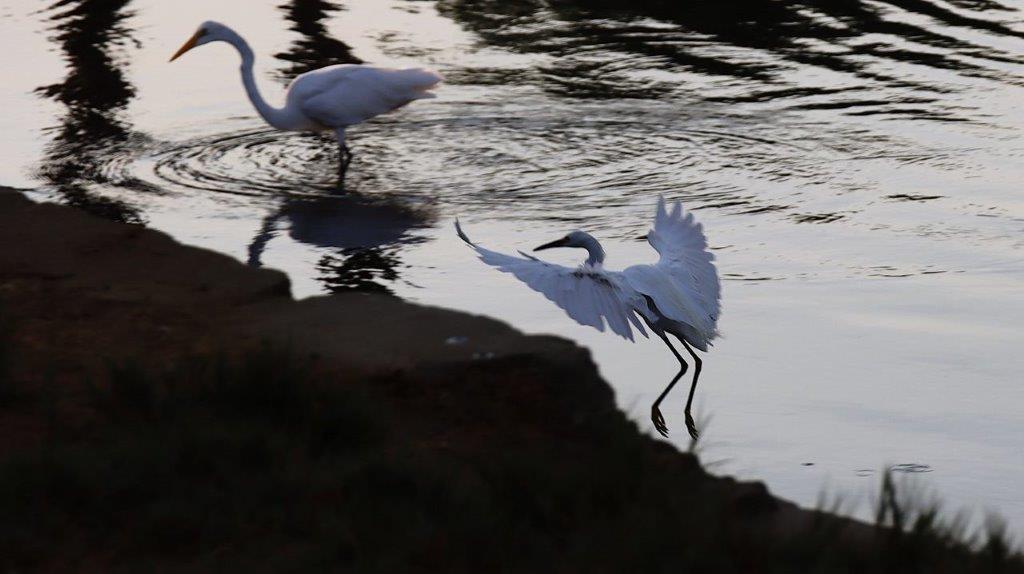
191 43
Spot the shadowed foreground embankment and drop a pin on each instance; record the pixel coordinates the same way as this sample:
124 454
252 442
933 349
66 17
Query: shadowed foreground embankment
166 407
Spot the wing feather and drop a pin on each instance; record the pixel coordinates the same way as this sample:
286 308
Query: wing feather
590 296
347 94
684 282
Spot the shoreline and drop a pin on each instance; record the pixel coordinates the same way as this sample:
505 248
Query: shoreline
79 294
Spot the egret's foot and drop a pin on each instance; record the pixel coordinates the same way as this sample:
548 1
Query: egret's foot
659 421
691 427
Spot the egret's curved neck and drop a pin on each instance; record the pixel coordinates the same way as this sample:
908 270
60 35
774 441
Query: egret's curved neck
273 116
593 247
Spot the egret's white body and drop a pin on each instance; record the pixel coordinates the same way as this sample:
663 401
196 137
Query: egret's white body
331 98
678 295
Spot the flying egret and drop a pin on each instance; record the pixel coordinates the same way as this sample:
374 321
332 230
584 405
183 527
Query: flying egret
678 295
331 98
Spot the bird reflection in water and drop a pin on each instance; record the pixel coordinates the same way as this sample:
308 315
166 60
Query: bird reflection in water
95 93
359 269
364 234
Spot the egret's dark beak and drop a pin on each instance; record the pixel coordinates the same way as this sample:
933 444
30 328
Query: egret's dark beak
191 43
557 243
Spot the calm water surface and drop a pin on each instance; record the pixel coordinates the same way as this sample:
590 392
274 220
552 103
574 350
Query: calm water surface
857 166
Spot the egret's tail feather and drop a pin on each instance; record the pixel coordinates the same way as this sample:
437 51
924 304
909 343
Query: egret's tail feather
420 79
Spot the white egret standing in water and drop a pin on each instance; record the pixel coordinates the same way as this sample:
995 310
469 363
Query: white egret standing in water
331 98
678 295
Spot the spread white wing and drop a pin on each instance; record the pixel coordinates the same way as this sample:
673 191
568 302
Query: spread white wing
343 95
685 258
591 296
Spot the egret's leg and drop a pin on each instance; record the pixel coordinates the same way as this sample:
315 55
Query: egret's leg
656 417
348 158
344 157
690 426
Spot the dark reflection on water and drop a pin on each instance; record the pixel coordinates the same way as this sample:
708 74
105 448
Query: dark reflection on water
315 48
615 48
95 92
364 235
359 269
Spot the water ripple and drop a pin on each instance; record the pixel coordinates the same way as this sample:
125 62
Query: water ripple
256 162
